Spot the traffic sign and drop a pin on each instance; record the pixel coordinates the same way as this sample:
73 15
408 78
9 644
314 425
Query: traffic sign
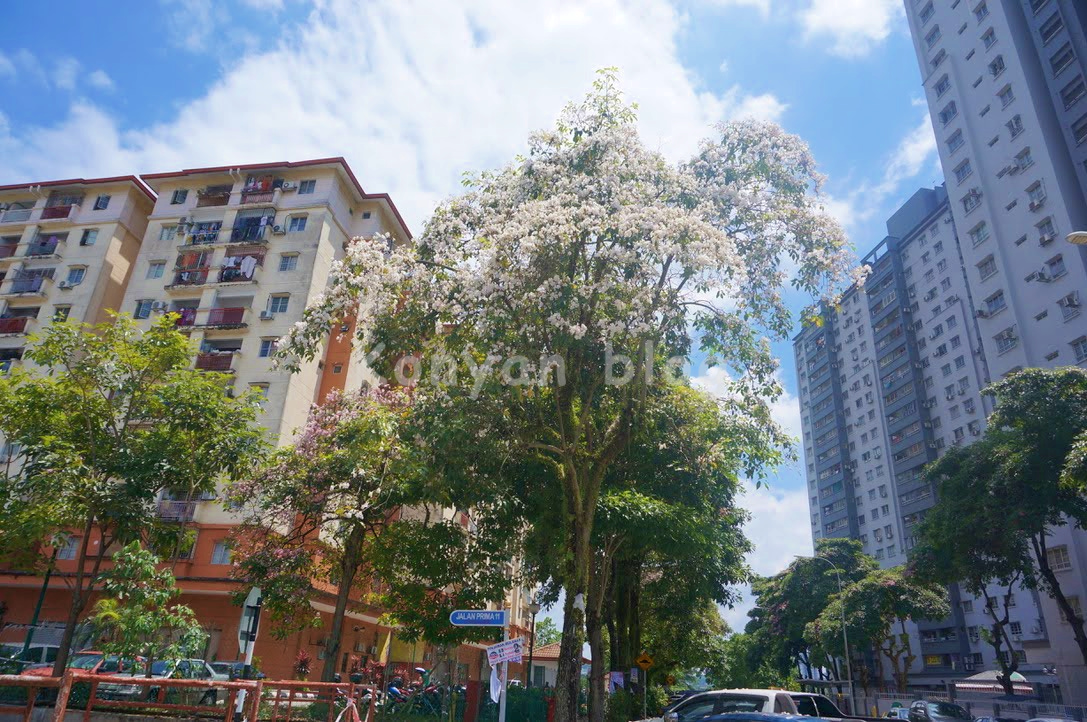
478 618
644 661
670 680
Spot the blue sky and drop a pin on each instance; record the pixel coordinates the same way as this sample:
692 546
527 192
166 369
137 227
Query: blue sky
415 93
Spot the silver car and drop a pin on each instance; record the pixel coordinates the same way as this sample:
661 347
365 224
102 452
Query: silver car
166 669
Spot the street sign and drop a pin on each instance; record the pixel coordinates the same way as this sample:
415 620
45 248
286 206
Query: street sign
644 661
508 651
250 621
478 618
670 680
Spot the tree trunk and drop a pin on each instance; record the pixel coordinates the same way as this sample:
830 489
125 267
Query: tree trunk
79 598
1074 620
568 676
349 565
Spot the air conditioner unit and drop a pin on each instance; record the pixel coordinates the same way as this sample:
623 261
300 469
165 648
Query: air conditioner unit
266 315
962 392
981 313
933 446
159 305
183 220
950 397
289 186
968 665
278 230
890 534
975 432
1046 238
1035 205
927 424
64 284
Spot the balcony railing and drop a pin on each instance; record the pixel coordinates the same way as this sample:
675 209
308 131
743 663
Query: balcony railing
186 317
248 233
13 325
16 215
257 196
177 510
41 249
7 250
56 212
225 317
27 285
217 198
220 361
191 277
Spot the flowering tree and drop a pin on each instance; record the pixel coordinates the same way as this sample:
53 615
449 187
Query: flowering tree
107 419
550 288
310 512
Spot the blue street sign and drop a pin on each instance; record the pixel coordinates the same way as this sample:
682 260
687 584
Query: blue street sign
478 618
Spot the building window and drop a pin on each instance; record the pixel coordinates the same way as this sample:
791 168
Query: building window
260 391
1036 193
1051 27
979 233
933 37
278 304
1079 347
963 171
76 276
297 223
220 555
338 369
288 262
996 66
955 141
1015 126
90 235
989 38
267 347
1069 306
987 267
996 303
1073 92
156 269
926 13
1058 558
1006 340
1079 130
949 113
942 86
306 187
167 233
143 308
101 203
939 58
1006 96
60 313
971 201
1062 59
1023 159
70 550
178 197
1073 601
981 12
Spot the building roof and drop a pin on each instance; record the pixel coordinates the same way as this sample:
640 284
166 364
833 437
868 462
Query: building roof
140 185
550 653
338 161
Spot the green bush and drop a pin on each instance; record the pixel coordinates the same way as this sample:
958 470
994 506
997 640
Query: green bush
620 706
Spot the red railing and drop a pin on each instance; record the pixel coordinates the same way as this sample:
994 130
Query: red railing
7 250
225 317
214 361
257 197
13 325
56 212
217 198
186 316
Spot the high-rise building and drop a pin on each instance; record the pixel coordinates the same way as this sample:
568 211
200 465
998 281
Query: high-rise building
888 381
1006 86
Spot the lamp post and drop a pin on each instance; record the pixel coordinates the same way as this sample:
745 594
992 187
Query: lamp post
535 609
1078 238
845 634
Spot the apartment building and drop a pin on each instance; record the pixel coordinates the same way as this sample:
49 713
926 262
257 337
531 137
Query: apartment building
67 249
888 382
1005 85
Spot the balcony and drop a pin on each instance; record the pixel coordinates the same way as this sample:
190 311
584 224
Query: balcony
186 317
38 249
204 234
215 361
57 212
249 234
13 325
190 277
176 510
8 250
16 215
256 197
20 286
225 318
209 198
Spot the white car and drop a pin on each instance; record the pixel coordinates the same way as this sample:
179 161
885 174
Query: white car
722 701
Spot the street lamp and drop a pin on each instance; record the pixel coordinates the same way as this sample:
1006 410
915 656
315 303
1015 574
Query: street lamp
1079 238
534 607
845 634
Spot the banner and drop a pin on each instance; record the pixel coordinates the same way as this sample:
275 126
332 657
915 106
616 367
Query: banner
509 651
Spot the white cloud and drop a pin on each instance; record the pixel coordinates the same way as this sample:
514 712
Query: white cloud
779 530
411 93
101 80
914 154
854 27
762 6
264 5
7 67
65 73
724 66
761 107
192 24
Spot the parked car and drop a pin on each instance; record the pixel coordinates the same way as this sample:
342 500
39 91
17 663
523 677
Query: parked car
225 671
810 704
757 717
706 704
898 713
87 660
166 669
13 660
922 711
